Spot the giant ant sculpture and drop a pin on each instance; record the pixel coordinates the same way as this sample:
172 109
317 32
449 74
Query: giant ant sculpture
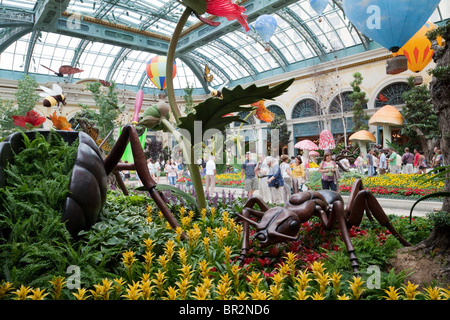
279 224
88 181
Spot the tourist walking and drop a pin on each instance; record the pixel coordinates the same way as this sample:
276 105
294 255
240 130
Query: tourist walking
394 168
157 166
328 168
438 160
408 162
261 171
298 172
248 170
210 175
359 163
382 166
422 163
370 163
151 167
171 172
275 181
286 173
416 160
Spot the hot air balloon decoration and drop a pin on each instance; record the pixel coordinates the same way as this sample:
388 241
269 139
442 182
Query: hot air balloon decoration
319 7
266 25
156 71
418 50
390 23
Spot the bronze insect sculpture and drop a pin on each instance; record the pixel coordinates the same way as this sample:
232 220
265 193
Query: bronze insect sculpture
279 224
88 181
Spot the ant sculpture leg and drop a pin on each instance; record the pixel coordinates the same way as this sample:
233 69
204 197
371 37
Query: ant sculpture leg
361 200
111 163
249 212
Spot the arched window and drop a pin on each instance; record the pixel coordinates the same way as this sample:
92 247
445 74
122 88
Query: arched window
305 108
278 111
344 99
391 94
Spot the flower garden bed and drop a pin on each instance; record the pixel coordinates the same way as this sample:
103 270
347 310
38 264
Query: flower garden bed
132 253
395 185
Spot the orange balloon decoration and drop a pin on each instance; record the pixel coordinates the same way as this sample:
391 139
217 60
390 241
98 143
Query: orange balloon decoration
418 49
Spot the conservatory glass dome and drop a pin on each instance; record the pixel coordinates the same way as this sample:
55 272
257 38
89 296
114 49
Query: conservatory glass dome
114 39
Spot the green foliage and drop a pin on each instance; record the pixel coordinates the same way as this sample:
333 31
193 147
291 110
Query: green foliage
7 110
360 117
284 134
211 112
26 99
441 72
189 101
26 96
418 112
108 109
440 219
31 205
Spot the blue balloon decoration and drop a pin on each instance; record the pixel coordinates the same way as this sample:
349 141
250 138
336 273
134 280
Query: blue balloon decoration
266 25
391 23
318 5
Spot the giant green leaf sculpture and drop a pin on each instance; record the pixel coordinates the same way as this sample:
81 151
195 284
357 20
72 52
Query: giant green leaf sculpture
211 113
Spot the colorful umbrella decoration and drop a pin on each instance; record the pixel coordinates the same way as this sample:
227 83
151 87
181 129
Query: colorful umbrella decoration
318 6
418 49
390 23
266 25
156 71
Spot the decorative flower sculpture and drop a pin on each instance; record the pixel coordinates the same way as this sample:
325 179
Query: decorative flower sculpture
29 121
60 122
213 113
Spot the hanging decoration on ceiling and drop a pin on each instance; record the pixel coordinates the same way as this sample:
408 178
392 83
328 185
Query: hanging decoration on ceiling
219 8
390 23
207 74
52 97
418 49
63 70
319 7
266 25
156 71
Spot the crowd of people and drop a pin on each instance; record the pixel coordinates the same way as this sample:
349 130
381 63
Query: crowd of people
274 177
388 160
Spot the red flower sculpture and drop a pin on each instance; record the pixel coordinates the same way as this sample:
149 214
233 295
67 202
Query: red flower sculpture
227 9
31 120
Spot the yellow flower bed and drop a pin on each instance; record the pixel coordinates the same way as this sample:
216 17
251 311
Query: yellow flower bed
413 181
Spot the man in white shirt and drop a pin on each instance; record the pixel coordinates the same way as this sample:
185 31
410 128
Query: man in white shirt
210 175
382 167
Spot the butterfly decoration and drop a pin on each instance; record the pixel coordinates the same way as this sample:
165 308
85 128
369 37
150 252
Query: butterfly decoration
105 83
207 76
382 98
93 132
64 70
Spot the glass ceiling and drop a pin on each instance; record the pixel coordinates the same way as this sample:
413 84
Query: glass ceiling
300 35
